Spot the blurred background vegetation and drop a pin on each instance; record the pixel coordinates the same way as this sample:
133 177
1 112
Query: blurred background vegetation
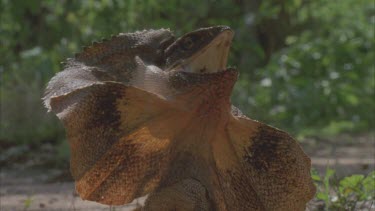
305 66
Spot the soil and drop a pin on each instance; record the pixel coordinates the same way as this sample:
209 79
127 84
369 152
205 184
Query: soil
26 185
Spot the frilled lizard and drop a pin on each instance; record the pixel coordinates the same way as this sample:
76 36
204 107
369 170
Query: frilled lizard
146 113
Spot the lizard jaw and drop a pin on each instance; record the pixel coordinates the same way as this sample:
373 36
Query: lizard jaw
210 59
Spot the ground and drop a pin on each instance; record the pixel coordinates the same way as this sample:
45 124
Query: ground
26 185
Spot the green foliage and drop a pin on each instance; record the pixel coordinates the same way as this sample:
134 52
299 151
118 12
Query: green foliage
324 76
298 72
349 193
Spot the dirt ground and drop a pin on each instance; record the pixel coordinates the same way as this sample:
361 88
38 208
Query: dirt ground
23 187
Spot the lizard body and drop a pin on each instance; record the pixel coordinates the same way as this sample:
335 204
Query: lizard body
146 113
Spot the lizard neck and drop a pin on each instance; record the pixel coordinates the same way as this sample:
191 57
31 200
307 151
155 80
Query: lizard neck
207 95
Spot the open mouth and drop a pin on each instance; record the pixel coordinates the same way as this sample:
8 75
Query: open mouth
209 59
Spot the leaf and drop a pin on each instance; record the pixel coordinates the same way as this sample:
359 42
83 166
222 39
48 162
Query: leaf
351 184
315 175
369 185
322 196
352 181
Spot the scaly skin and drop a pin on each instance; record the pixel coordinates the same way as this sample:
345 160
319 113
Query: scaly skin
138 124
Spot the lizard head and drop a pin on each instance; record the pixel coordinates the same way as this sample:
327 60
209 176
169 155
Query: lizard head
201 51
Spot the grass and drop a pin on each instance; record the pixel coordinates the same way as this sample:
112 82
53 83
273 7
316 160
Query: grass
354 192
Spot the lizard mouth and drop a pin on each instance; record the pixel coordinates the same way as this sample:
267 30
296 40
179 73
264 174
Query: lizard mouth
211 58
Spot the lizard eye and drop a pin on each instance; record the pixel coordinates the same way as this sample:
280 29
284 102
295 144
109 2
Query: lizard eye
188 43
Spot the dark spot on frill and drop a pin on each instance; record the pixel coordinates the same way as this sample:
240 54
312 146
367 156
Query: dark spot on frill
268 148
104 105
